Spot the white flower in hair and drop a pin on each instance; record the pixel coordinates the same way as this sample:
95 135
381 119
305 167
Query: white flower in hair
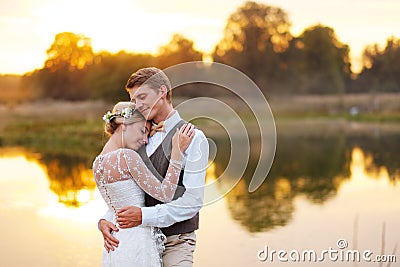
127 112
108 117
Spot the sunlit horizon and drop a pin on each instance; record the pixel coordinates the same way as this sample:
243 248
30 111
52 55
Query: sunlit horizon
28 28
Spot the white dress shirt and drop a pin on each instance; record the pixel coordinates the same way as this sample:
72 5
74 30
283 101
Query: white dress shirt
194 163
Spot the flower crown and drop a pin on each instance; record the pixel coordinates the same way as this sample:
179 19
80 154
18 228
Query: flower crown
126 113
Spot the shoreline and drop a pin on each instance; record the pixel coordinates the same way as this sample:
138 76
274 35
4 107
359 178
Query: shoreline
303 113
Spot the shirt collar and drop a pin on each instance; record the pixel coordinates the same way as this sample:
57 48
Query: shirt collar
172 120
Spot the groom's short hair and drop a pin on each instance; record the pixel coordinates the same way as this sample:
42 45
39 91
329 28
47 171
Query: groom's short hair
158 78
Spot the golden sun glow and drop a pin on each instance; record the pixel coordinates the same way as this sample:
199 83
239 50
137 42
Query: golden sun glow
366 178
18 189
123 26
25 185
359 170
28 27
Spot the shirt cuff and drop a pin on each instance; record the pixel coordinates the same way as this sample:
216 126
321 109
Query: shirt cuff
149 216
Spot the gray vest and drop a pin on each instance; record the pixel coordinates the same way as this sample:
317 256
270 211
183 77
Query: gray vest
158 164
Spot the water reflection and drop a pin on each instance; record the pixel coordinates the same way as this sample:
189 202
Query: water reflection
36 224
316 188
67 177
22 179
314 167
271 205
311 166
70 179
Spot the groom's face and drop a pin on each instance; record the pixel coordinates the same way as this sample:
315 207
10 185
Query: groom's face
147 100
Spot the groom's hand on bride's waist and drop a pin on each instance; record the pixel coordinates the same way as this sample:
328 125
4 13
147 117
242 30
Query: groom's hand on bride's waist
107 228
130 216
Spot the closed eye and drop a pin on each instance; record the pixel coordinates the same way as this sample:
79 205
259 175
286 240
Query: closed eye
141 96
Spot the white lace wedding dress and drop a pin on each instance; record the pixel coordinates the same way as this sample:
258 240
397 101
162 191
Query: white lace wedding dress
122 178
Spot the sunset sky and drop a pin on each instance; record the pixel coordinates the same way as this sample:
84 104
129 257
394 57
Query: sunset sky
28 27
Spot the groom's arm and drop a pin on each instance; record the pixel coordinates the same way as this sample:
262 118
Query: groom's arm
191 201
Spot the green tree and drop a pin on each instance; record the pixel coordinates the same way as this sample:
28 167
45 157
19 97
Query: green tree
69 50
254 38
107 77
178 50
63 76
322 61
381 68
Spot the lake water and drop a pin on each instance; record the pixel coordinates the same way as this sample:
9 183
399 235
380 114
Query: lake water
331 187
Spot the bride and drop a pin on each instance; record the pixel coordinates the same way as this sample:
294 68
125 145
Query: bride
122 177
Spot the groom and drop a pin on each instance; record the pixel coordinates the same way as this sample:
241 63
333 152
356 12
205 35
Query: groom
150 89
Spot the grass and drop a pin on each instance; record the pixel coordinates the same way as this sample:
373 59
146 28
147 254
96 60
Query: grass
71 137
54 127
370 107
76 127
363 117
383 118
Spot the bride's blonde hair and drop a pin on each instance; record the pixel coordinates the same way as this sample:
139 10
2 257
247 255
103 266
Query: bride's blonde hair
122 113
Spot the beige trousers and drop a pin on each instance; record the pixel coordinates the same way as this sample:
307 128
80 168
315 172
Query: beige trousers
179 250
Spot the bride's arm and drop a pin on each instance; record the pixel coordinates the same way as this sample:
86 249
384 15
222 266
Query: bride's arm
163 191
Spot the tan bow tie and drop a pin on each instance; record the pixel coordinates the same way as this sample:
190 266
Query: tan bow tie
157 128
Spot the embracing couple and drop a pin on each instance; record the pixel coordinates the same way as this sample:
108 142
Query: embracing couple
151 173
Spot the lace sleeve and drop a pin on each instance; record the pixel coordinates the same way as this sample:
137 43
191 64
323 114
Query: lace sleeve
163 191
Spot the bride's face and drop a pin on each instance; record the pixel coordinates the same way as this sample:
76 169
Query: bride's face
135 135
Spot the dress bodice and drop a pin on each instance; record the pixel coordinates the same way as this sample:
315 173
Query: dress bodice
122 177
121 194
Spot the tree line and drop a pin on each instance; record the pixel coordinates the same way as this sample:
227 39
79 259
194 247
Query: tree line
256 40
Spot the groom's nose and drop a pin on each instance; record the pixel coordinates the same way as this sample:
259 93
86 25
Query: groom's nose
139 105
